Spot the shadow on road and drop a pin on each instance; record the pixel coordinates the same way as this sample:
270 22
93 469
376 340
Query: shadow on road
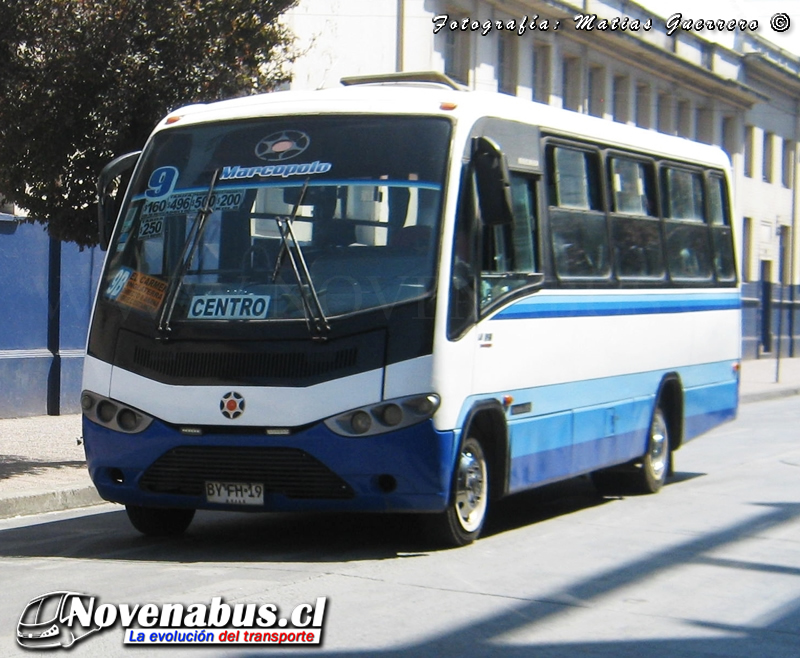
11 465
246 537
777 638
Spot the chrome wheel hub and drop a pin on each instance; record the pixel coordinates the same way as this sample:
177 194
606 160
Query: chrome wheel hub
659 448
470 498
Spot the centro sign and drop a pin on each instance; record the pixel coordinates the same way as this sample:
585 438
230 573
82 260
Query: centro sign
229 307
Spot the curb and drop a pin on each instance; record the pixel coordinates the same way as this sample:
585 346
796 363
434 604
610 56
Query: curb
51 501
768 395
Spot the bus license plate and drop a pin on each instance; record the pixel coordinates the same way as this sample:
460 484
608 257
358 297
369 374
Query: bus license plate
235 493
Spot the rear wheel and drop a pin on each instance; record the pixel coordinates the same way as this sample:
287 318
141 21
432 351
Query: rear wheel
645 475
159 522
463 520
652 474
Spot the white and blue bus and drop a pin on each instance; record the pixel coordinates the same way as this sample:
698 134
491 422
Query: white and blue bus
400 296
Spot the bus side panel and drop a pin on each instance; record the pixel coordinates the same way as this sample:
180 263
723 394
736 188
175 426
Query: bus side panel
541 450
706 407
557 446
553 441
612 434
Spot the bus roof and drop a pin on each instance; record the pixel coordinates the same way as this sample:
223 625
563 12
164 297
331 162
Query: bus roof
430 98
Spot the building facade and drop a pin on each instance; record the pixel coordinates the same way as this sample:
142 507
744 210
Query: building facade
617 60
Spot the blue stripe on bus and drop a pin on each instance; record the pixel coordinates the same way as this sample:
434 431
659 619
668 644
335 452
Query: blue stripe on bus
605 391
549 306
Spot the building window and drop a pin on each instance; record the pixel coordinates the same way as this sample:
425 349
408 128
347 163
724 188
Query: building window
572 84
766 169
597 91
787 171
541 74
622 98
457 55
729 136
685 119
666 119
707 56
749 139
643 108
507 63
705 125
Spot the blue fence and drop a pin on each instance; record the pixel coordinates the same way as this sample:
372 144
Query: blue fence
770 320
46 292
47 288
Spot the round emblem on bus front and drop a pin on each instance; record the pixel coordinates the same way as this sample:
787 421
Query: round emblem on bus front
232 405
282 145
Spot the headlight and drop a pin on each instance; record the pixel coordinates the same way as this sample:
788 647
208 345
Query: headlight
385 416
113 414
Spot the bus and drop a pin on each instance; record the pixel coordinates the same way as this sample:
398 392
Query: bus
48 621
398 295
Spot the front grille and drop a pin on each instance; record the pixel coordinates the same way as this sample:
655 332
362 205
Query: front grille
290 362
288 471
243 365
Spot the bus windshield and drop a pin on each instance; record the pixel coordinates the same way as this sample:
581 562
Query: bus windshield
249 220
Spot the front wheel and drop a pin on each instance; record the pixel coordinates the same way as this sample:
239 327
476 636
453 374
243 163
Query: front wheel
463 520
159 522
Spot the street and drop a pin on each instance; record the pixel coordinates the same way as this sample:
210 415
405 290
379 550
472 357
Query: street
709 566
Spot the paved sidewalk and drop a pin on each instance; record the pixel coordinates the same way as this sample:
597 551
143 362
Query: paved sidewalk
43 468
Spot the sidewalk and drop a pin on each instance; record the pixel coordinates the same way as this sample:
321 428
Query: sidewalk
43 469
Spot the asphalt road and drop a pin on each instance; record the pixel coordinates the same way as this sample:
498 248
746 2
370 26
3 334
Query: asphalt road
708 567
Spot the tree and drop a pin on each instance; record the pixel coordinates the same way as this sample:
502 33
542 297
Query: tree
82 81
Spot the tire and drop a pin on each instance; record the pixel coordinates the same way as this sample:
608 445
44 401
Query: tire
159 522
461 523
652 473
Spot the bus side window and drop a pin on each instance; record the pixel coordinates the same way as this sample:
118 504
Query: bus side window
688 246
511 248
577 224
721 234
510 251
636 229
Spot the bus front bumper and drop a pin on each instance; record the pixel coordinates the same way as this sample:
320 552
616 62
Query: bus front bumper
313 469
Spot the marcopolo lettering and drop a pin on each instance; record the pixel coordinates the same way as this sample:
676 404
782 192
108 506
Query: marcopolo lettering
229 307
276 171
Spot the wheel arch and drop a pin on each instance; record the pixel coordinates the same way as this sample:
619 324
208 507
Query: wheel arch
670 398
486 421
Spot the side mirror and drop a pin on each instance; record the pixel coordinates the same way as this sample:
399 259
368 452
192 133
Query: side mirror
109 200
493 182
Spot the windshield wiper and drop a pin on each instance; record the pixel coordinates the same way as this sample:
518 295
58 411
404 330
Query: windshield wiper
316 321
190 245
